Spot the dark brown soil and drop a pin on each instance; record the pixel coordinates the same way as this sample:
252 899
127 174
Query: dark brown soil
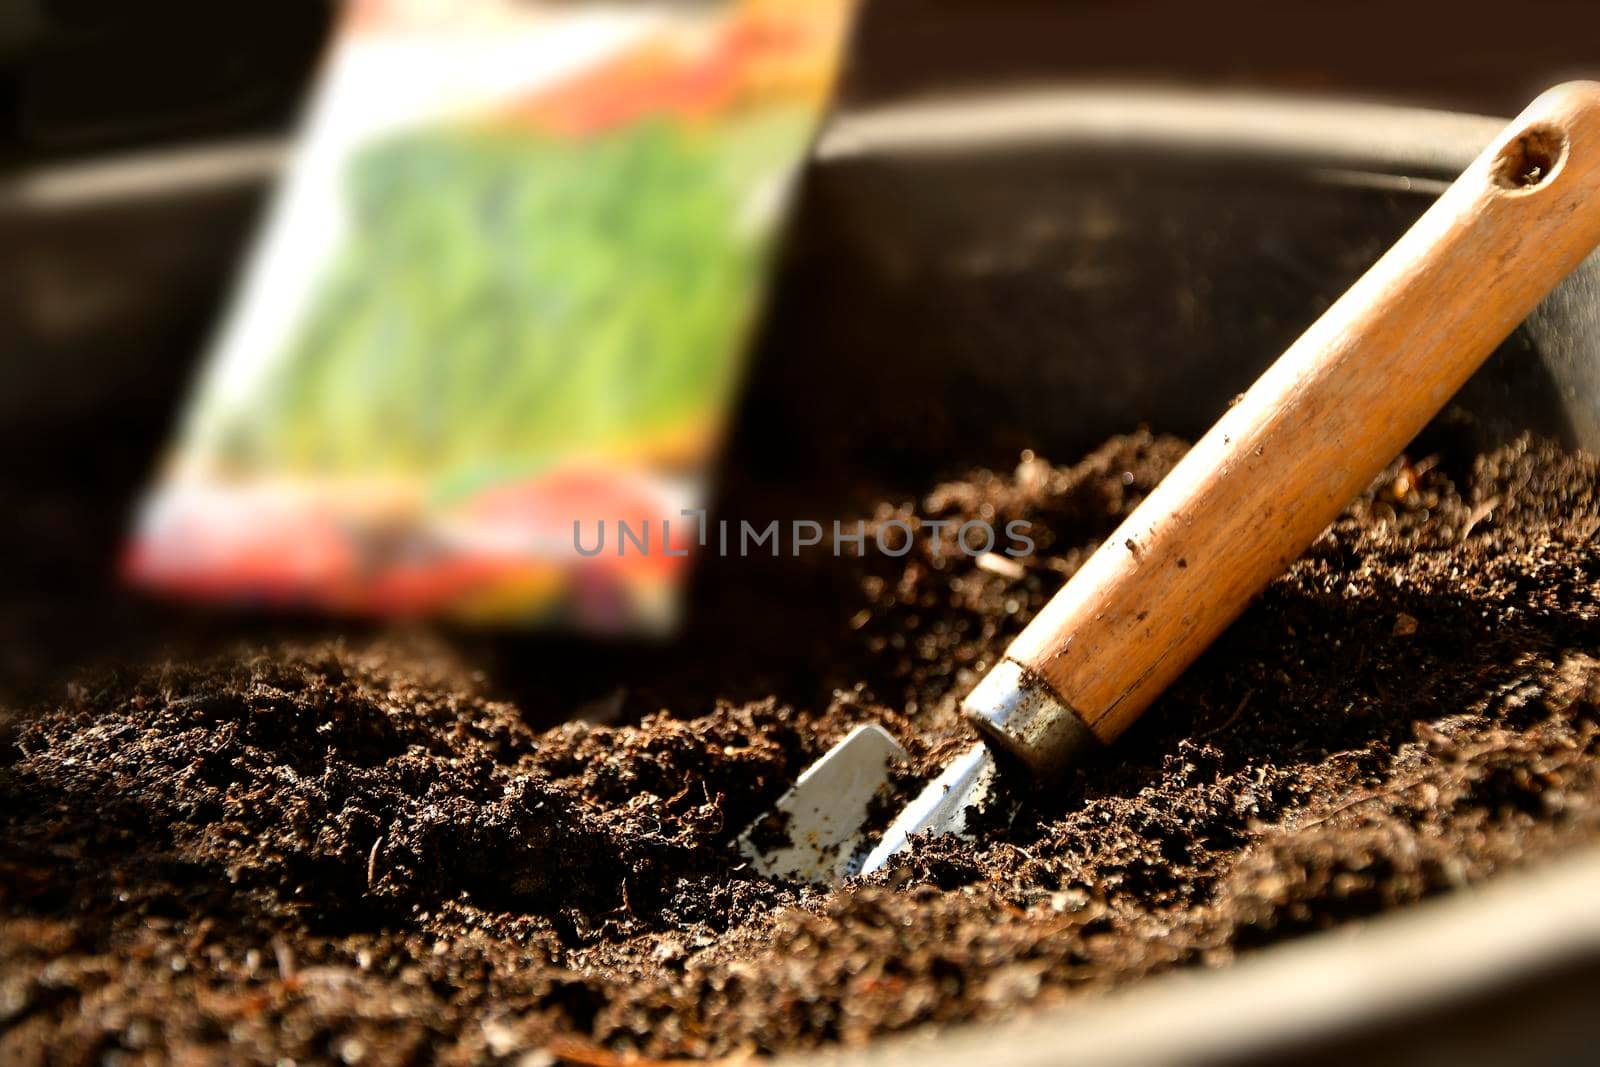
350 851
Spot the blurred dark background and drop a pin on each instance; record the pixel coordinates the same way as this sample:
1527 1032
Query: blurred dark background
1469 56
79 77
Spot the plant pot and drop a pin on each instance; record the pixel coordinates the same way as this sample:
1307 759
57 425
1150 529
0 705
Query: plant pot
967 279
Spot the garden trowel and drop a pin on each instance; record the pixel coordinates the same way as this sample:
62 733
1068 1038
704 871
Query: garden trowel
1312 432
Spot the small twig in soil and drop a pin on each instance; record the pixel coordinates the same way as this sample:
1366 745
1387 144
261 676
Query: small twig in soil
1478 514
284 955
1000 565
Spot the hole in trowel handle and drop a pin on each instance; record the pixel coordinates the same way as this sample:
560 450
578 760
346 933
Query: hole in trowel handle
1529 159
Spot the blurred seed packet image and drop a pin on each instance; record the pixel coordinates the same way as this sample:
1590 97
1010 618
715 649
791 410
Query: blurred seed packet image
502 296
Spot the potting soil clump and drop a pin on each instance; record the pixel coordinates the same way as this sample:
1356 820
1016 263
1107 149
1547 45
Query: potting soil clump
358 850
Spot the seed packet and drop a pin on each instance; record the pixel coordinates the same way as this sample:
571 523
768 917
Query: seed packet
502 298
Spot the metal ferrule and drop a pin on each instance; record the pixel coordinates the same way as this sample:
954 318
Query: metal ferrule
1019 714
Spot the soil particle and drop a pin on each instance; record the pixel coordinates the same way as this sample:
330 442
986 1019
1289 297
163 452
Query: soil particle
351 851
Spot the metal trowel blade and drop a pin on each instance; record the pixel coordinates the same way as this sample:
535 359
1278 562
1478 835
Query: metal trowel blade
817 830
967 785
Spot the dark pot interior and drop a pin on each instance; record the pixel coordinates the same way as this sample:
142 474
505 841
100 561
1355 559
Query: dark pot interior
955 303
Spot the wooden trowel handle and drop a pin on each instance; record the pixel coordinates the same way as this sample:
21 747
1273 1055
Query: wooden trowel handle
1319 425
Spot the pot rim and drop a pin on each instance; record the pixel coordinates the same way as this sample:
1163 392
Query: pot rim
1284 126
